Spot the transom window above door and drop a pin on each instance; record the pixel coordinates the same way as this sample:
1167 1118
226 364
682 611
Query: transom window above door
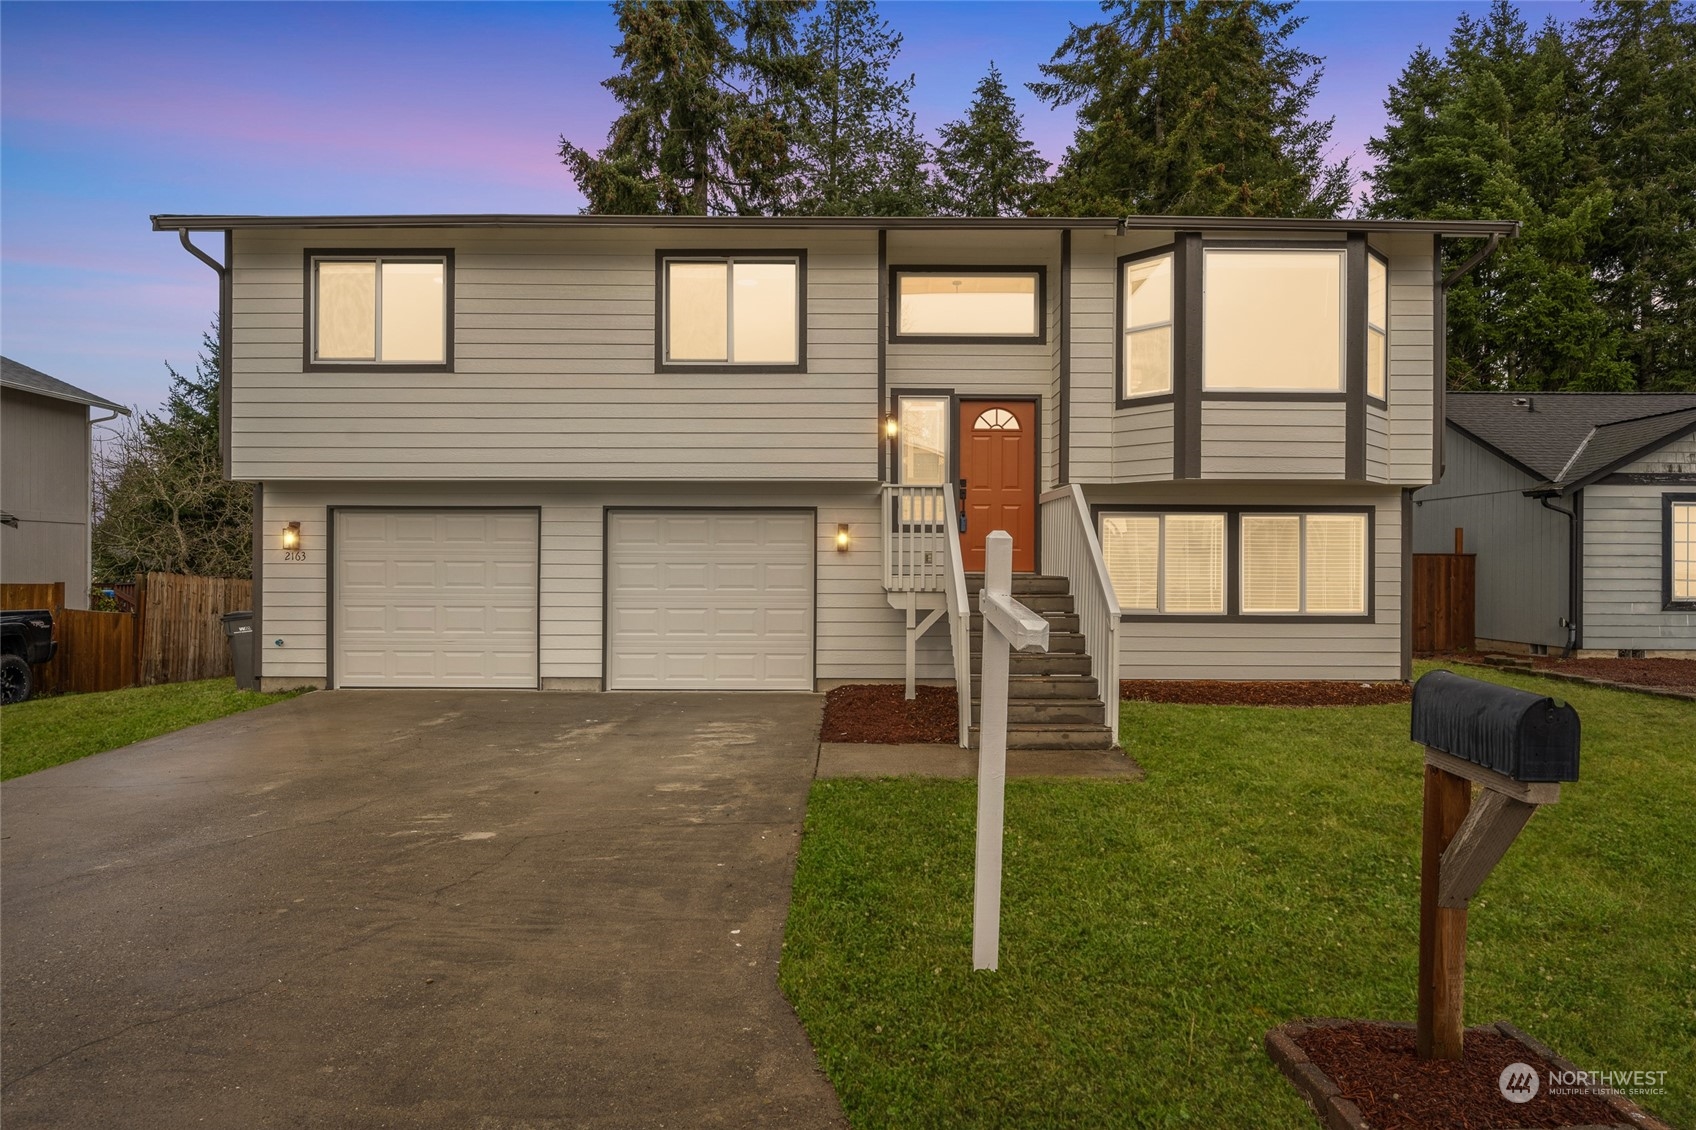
732 311
970 304
996 420
375 309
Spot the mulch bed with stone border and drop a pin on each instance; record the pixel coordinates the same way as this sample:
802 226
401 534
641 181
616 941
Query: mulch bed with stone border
1219 692
1360 1074
879 714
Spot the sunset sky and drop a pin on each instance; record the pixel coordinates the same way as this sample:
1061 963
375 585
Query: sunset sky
112 112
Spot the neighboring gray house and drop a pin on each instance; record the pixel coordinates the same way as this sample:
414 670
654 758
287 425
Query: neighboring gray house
712 453
1581 508
46 478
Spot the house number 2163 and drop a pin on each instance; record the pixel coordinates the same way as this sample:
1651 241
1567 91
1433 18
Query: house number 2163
294 555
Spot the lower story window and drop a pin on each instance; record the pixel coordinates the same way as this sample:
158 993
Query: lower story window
1171 563
1681 550
1304 563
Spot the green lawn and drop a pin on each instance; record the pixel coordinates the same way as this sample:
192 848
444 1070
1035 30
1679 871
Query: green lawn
1267 869
51 731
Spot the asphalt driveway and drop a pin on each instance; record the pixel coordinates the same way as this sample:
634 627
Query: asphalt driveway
414 908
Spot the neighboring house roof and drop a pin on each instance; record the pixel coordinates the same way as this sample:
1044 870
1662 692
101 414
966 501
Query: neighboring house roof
1569 439
15 375
1458 228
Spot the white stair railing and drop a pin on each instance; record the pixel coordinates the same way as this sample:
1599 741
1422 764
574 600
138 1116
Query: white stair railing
1070 549
959 616
914 556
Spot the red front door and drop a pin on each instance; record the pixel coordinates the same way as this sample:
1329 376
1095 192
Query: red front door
998 472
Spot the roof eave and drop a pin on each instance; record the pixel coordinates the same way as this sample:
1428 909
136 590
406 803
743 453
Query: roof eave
89 401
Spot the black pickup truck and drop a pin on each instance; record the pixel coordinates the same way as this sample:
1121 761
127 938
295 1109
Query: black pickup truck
26 639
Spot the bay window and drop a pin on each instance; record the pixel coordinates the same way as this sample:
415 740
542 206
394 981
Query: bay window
1272 319
1304 563
1145 367
1166 563
1377 326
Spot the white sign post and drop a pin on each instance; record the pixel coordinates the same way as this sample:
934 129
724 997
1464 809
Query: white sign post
1007 624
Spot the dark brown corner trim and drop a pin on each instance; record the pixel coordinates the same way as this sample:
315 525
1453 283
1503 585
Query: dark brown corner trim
1186 356
1063 344
1354 379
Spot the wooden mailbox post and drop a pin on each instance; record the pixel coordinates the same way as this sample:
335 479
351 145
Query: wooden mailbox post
1518 747
1007 624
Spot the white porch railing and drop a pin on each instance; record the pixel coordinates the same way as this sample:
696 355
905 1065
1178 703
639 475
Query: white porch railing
959 607
914 553
1070 549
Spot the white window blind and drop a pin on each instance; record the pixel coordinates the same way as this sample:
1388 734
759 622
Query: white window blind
1336 563
1304 563
1166 562
1683 538
1271 563
1130 546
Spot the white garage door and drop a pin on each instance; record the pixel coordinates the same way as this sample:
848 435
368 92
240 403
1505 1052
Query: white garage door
708 599
435 598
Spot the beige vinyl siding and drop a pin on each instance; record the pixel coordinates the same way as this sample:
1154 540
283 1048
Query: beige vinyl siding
988 368
1377 444
1094 423
1245 649
44 484
859 636
1272 440
1412 378
1520 546
1142 450
1624 559
554 369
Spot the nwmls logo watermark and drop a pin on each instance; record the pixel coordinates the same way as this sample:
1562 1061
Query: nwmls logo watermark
1519 1083
1629 1083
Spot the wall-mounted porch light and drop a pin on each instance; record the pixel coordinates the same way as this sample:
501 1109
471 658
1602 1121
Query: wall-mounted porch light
891 427
842 538
291 536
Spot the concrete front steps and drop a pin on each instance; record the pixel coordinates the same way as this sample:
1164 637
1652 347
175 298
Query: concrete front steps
1053 699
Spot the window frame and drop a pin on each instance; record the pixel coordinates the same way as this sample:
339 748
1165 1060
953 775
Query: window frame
1164 512
896 337
1180 315
1346 284
1381 402
1669 502
662 301
309 312
1301 615
1233 564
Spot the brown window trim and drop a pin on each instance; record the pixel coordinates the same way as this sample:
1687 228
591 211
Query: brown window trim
1233 564
1668 501
796 255
1180 314
897 337
309 310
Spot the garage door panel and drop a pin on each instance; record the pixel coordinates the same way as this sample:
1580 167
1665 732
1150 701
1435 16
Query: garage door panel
710 600
436 598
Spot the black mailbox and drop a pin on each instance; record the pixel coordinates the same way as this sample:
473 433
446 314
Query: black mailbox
1529 737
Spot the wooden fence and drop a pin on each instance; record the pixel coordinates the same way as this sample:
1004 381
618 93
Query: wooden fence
176 634
1444 589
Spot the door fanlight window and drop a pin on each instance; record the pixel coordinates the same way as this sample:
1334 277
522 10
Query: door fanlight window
996 420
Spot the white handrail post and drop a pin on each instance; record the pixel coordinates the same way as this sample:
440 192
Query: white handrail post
1006 624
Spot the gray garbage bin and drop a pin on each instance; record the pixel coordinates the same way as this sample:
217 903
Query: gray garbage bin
238 626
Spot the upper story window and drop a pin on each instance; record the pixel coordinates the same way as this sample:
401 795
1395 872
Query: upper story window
987 304
380 309
1146 354
1679 524
718 311
1377 326
1272 319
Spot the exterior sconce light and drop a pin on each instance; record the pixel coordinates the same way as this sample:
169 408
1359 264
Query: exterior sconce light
890 427
842 538
291 536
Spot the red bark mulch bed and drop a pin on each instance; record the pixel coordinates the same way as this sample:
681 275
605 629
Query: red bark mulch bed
1672 674
1377 1068
879 713
1210 692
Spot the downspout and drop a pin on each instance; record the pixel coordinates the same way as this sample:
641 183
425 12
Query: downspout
224 362
1575 550
88 530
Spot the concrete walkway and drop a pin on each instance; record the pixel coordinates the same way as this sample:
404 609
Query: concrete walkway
423 909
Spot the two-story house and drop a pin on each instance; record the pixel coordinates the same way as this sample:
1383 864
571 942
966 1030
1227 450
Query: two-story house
740 453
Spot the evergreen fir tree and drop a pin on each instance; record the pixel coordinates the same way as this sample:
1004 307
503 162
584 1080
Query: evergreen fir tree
1191 107
1496 129
1640 62
708 89
986 166
858 150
